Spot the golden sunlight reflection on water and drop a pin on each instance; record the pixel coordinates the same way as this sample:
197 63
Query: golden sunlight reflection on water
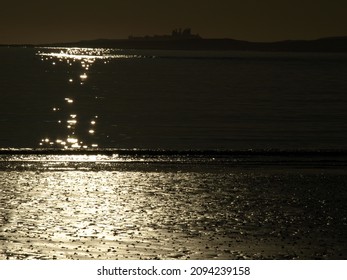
85 215
84 58
170 214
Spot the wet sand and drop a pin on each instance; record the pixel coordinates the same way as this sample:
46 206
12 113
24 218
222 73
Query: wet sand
171 211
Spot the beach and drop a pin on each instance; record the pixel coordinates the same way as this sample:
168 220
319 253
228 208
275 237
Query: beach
80 209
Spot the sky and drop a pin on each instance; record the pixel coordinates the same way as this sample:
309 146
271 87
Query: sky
38 21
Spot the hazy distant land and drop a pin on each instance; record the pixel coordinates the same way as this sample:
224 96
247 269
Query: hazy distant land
167 42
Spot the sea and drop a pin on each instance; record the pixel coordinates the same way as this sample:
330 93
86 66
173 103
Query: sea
172 100
171 154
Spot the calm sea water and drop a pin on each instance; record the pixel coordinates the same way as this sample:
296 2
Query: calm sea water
177 100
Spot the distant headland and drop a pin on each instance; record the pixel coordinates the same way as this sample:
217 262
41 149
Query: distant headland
184 39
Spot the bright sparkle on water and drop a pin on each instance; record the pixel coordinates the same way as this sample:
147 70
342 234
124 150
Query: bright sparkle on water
86 57
94 209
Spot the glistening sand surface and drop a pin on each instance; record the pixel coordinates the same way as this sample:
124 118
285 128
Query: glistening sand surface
172 211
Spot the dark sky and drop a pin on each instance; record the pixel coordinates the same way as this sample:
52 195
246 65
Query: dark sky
38 21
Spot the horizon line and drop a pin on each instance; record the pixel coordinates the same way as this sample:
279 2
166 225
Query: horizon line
158 38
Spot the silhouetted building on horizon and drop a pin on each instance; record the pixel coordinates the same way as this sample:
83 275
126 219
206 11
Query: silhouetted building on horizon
176 34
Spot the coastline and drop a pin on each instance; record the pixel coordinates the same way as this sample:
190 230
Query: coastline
329 44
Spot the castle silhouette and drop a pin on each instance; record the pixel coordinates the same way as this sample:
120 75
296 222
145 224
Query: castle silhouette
176 34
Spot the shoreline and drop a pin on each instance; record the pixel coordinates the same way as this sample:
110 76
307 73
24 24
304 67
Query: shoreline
169 161
131 159
138 151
